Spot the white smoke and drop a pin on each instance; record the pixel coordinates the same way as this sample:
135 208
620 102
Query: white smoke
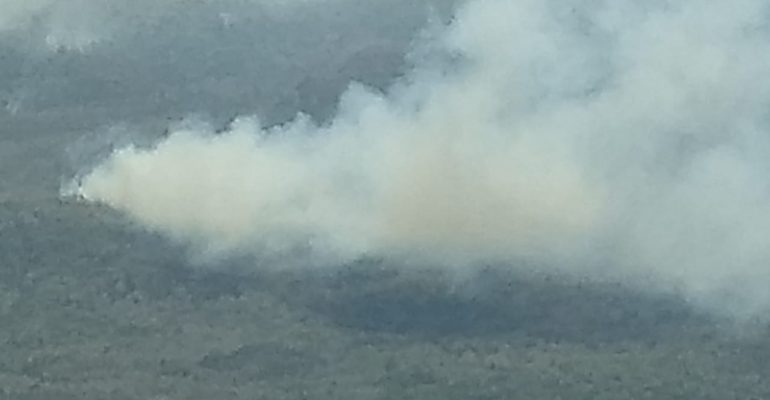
616 139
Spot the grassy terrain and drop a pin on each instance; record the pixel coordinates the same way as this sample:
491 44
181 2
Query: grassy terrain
93 308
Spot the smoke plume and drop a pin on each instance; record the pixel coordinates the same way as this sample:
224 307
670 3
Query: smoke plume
622 140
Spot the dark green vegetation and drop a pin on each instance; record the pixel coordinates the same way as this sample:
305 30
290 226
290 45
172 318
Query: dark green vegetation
92 308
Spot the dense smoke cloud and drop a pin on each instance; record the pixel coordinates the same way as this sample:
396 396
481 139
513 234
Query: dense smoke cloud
621 140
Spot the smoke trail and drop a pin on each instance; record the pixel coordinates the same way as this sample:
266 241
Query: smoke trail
612 139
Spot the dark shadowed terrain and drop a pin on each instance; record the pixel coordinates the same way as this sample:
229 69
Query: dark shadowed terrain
92 306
